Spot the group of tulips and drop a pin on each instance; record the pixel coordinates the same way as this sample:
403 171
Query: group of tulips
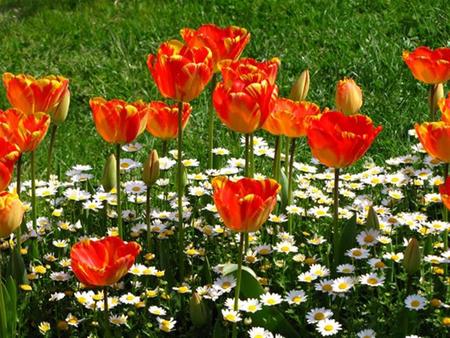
245 97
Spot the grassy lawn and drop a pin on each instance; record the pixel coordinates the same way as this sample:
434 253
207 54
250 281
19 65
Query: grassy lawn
102 47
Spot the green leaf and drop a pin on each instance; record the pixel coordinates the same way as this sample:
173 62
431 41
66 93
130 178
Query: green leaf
16 267
284 189
220 331
372 219
347 239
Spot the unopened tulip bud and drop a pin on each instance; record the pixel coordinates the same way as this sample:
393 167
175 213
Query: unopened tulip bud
11 213
411 261
348 97
301 87
198 310
435 94
151 168
109 174
60 113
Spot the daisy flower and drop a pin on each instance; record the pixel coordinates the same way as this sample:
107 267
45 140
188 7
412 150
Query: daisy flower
231 315
415 302
328 327
317 314
251 305
270 299
157 310
295 297
367 333
371 279
343 284
285 247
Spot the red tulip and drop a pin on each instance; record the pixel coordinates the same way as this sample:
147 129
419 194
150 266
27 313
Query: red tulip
117 121
246 204
247 94
33 95
102 262
224 43
290 118
338 140
429 66
435 138
444 190
162 119
9 153
180 72
444 106
25 130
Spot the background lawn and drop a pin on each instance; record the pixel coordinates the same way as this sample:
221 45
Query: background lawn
102 46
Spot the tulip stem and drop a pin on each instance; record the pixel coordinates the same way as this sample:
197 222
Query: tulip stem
106 311
445 217
277 159
33 191
431 101
164 148
50 150
252 158
180 190
18 188
286 155
238 281
291 167
247 141
335 217
147 219
211 125
118 188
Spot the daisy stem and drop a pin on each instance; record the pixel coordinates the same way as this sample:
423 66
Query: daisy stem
277 159
291 167
147 219
119 206
211 125
335 218
238 282
180 190
50 149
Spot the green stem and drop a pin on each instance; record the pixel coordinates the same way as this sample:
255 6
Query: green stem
50 150
118 188
211 125
180 191
164 148
286 155
431 101
18 188
335 217
247 156
277 159
237 290
33 191
252 158
291 169
106 312
147 219
445 217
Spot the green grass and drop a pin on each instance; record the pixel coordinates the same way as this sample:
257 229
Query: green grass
102 47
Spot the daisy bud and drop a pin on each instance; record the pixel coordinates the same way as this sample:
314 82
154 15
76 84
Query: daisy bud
59 115
411 261
348 97
151 168
435 302
301 87
109 174
198 310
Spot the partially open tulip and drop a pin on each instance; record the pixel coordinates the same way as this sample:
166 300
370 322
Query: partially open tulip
247 94
338 140
32 95
11 213
290 118
435 138
300 89
444 191
180 72
444 106
429 66
348 96
162 119
117 121
224 43
102 262
246 204
59 114
25 130
9 153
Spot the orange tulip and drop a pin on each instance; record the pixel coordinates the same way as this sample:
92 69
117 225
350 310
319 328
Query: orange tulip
180 72
25 130
290 118
102 262
224 43
9 153
338 140
117 121
11 213
163 119
435 138
429 66
246 204
444 191
444 106
348 96
247 94
33 95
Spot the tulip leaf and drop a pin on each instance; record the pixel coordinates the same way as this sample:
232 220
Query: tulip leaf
372 219
347 239
284 190
269 317
16 267
220 331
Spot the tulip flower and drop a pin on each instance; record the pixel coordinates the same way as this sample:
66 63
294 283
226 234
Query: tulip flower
348 96
224 43
300 89
102 262
33 95
162 119
444 191
9 154
444 106
435 138
180 72
429 66
11 213
246 96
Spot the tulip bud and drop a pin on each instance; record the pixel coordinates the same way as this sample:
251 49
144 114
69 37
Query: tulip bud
435 94
301 87
198 310
184 178
411 261
348 97
109 174
59 115
151 168
11 213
